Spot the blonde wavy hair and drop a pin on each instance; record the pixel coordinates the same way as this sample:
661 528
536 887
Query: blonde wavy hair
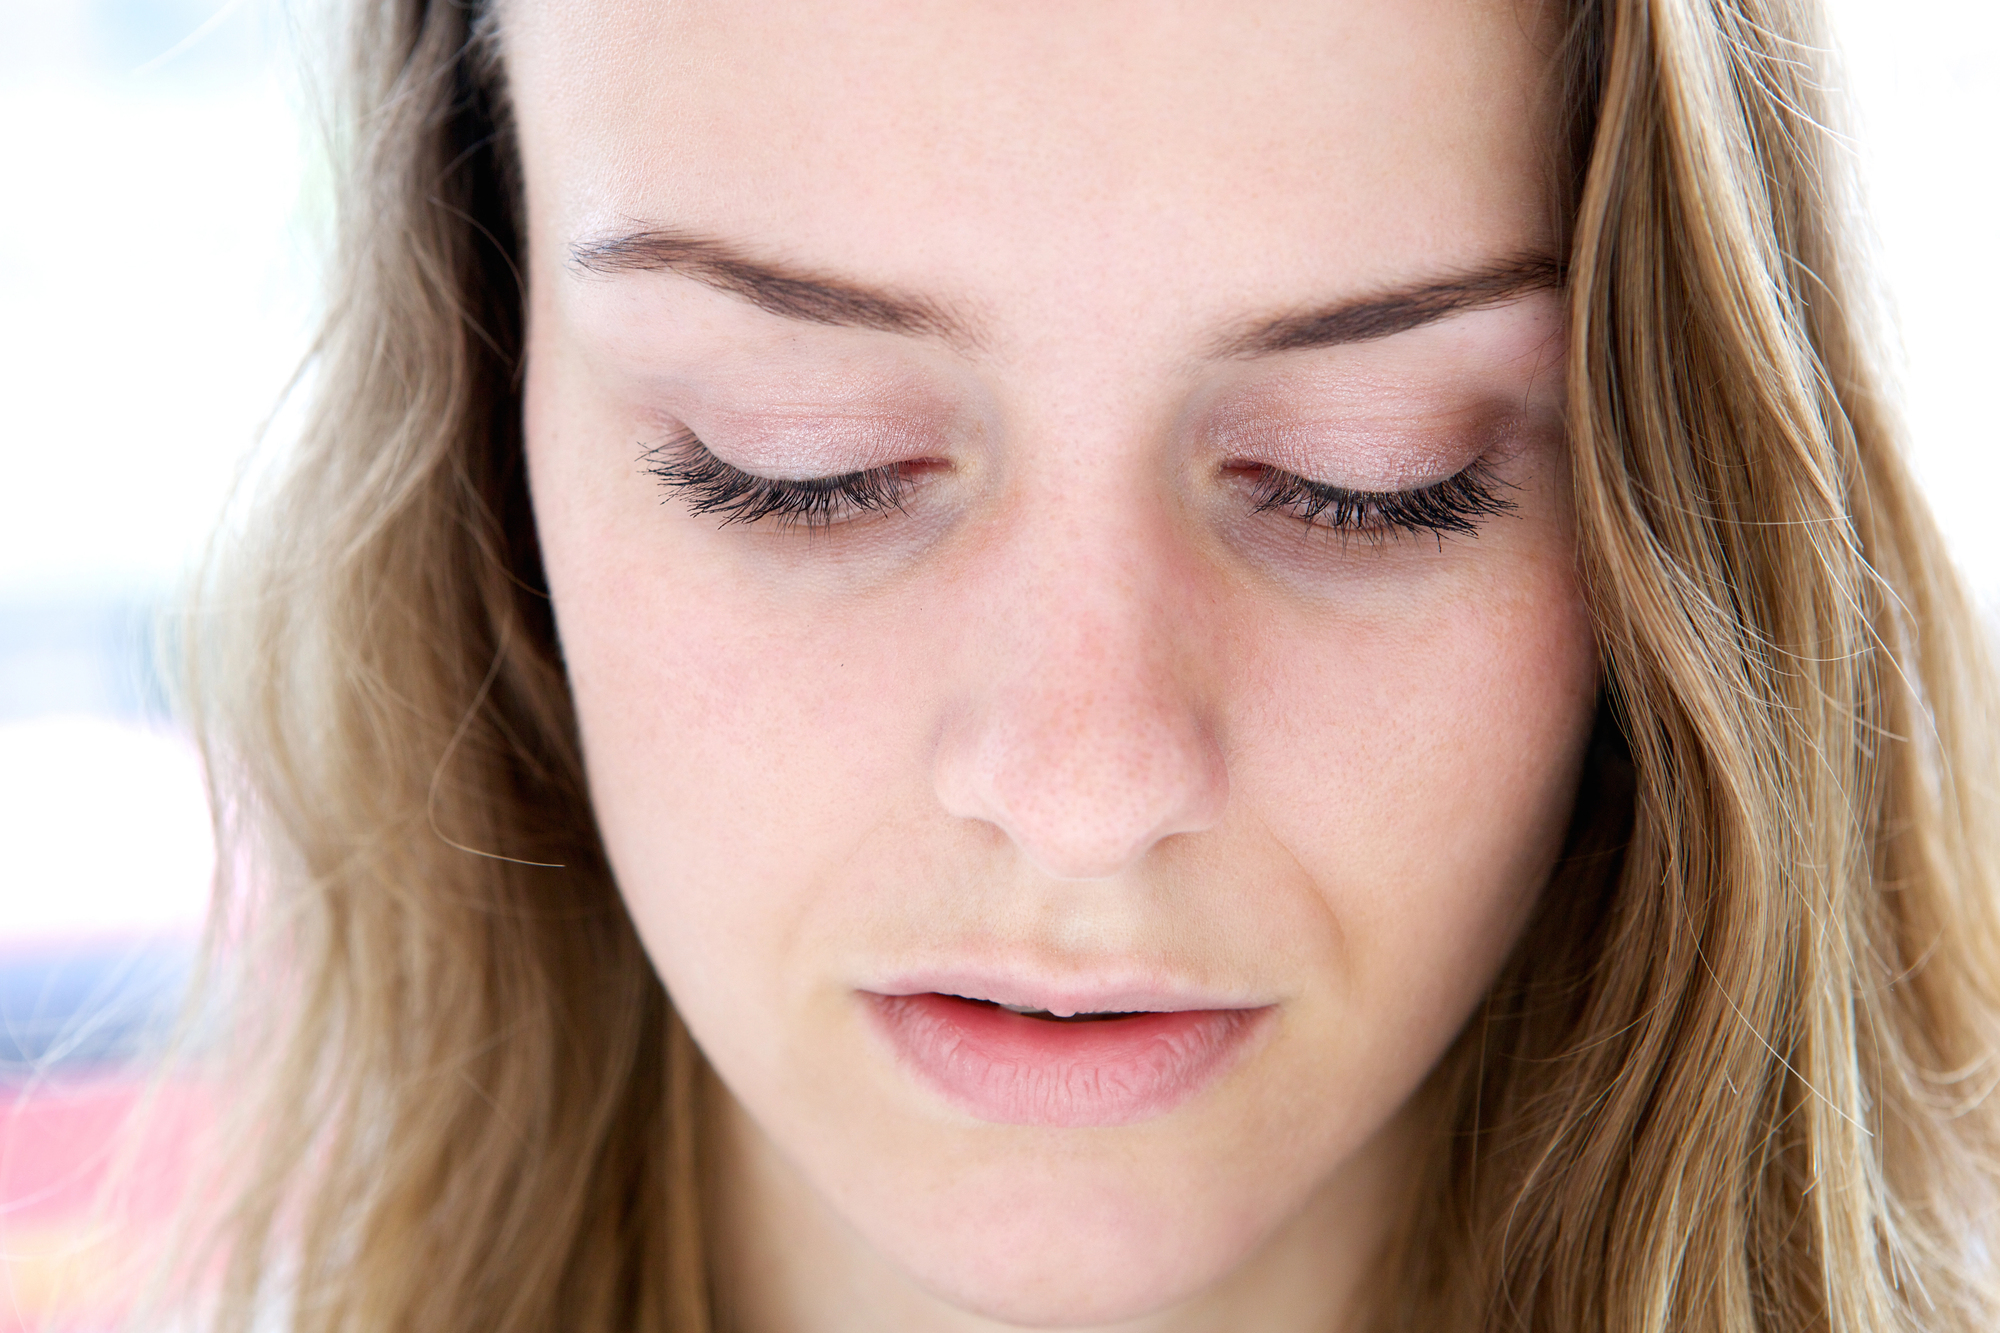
1736 1076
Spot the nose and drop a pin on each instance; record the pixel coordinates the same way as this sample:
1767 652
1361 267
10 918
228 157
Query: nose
1084 729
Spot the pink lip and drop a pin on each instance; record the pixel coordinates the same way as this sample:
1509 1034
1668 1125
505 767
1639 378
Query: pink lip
1014 1069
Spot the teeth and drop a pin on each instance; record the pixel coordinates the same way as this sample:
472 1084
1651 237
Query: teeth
1060 1015
1066 1016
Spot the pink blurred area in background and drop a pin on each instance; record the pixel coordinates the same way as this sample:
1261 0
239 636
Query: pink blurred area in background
107 874
74 1254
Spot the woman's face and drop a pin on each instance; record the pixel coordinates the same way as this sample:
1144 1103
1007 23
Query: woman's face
1189 630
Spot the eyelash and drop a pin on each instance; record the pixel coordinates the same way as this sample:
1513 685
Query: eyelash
1454 505
686 468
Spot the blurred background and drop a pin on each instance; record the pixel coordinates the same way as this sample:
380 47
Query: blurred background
155 281
162 200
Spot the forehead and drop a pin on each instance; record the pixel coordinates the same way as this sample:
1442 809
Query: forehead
1222 149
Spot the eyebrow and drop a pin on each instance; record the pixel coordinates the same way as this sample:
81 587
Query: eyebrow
793 294
1398 310
818 299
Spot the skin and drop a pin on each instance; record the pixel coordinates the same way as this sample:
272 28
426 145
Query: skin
1077 709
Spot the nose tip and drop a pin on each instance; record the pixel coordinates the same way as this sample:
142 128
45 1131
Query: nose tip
1084 786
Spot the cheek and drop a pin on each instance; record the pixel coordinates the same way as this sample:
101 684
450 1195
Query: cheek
1421 766
735 761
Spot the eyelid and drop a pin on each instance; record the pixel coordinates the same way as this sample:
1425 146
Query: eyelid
784 446
1383 451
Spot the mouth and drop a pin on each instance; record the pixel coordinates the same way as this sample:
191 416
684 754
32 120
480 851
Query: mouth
1053 1065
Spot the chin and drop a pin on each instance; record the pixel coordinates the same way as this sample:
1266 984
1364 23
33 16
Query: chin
1060 1253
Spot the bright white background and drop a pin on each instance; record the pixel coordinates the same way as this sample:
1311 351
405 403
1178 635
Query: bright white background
159 205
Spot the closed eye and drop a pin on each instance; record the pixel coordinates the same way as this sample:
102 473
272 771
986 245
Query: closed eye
688 470
1456 505
691 472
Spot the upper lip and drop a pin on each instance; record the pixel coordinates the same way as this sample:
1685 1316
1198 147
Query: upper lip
1065 996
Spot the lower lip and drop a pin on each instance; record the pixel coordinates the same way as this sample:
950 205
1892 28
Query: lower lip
1011 1069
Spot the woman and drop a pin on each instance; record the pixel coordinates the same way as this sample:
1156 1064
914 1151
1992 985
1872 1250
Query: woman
945 667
